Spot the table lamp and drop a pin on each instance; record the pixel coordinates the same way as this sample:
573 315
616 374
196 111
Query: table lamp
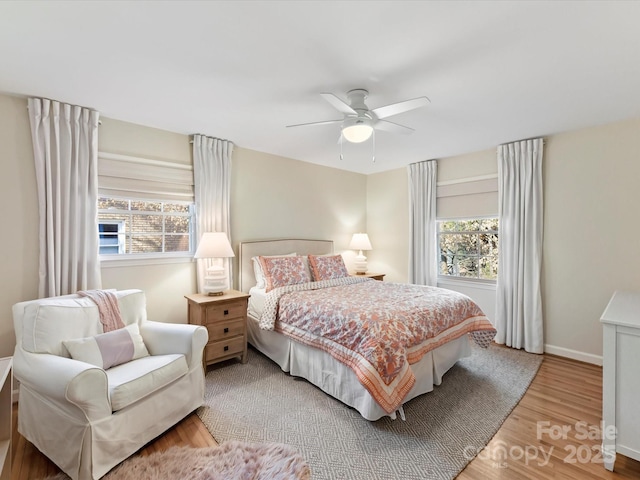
360 241
214 246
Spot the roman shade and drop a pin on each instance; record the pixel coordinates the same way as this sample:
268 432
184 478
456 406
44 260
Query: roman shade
144 179
468 197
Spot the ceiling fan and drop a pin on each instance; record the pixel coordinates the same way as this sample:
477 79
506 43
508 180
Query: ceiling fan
359 122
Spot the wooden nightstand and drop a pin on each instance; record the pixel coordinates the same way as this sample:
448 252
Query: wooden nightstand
225 317
375 276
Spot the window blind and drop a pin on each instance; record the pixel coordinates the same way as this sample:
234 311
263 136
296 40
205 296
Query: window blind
144 179
467 197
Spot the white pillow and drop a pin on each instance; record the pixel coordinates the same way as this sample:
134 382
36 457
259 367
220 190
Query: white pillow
109 349
257 268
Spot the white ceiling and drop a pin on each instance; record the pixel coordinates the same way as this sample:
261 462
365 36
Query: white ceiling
494 71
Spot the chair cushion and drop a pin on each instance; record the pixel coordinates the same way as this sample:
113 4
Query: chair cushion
136 379
109 349
49 321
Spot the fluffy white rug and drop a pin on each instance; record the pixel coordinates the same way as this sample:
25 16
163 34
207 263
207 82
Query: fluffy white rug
231 460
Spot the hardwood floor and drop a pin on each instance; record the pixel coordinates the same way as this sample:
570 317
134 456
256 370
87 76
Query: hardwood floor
29 463
564 393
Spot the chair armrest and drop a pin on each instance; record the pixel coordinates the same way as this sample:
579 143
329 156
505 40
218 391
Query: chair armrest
64 381
165 338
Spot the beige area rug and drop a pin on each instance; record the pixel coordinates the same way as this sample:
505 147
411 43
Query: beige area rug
231 460
257 402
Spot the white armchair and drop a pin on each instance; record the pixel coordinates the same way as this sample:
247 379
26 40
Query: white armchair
84 418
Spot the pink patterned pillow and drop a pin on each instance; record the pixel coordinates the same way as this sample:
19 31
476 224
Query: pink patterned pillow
281 271
327 267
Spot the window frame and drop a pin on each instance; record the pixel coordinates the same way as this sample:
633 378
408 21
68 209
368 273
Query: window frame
443 278
151 258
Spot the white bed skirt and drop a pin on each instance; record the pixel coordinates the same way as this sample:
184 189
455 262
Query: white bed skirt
340 381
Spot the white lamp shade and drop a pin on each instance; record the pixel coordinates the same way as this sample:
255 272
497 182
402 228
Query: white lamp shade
214 245
360 241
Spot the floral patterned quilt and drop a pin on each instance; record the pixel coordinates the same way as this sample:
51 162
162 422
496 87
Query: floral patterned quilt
376 328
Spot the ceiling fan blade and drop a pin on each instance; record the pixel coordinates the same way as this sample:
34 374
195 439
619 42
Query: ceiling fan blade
327 122
400 107
388 126
338 104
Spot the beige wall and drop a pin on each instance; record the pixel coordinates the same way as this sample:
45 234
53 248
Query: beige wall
591 230
309 201
590 239
388 224
126 138
474 164
165 285
19 200
388 209
591 227
276 197
388 220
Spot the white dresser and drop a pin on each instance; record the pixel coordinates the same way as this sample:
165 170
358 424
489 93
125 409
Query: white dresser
621 377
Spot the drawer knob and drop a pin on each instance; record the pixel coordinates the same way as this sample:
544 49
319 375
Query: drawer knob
226 347
226 330
226 312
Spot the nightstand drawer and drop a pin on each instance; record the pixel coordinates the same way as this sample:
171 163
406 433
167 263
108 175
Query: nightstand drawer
217 313
223 348
222 330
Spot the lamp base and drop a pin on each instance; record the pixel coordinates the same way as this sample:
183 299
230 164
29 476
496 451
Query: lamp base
360 264
215 281
215 294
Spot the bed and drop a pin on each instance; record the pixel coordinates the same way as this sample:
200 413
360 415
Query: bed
319 360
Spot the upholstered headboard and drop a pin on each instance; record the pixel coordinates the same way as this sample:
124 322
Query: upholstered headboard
282 246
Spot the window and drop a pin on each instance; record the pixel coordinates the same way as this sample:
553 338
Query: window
469 248
139 227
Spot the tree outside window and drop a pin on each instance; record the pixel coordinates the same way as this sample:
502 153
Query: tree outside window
468 248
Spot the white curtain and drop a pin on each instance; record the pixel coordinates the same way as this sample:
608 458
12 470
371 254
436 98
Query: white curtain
423 263
212 186
65 149
519 299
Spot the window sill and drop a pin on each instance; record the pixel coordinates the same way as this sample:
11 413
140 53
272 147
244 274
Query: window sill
110 261
467 282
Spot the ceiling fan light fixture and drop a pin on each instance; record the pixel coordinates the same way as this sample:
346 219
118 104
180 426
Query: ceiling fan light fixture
359 122
357 132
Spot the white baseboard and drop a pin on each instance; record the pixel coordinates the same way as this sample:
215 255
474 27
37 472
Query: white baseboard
573 354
